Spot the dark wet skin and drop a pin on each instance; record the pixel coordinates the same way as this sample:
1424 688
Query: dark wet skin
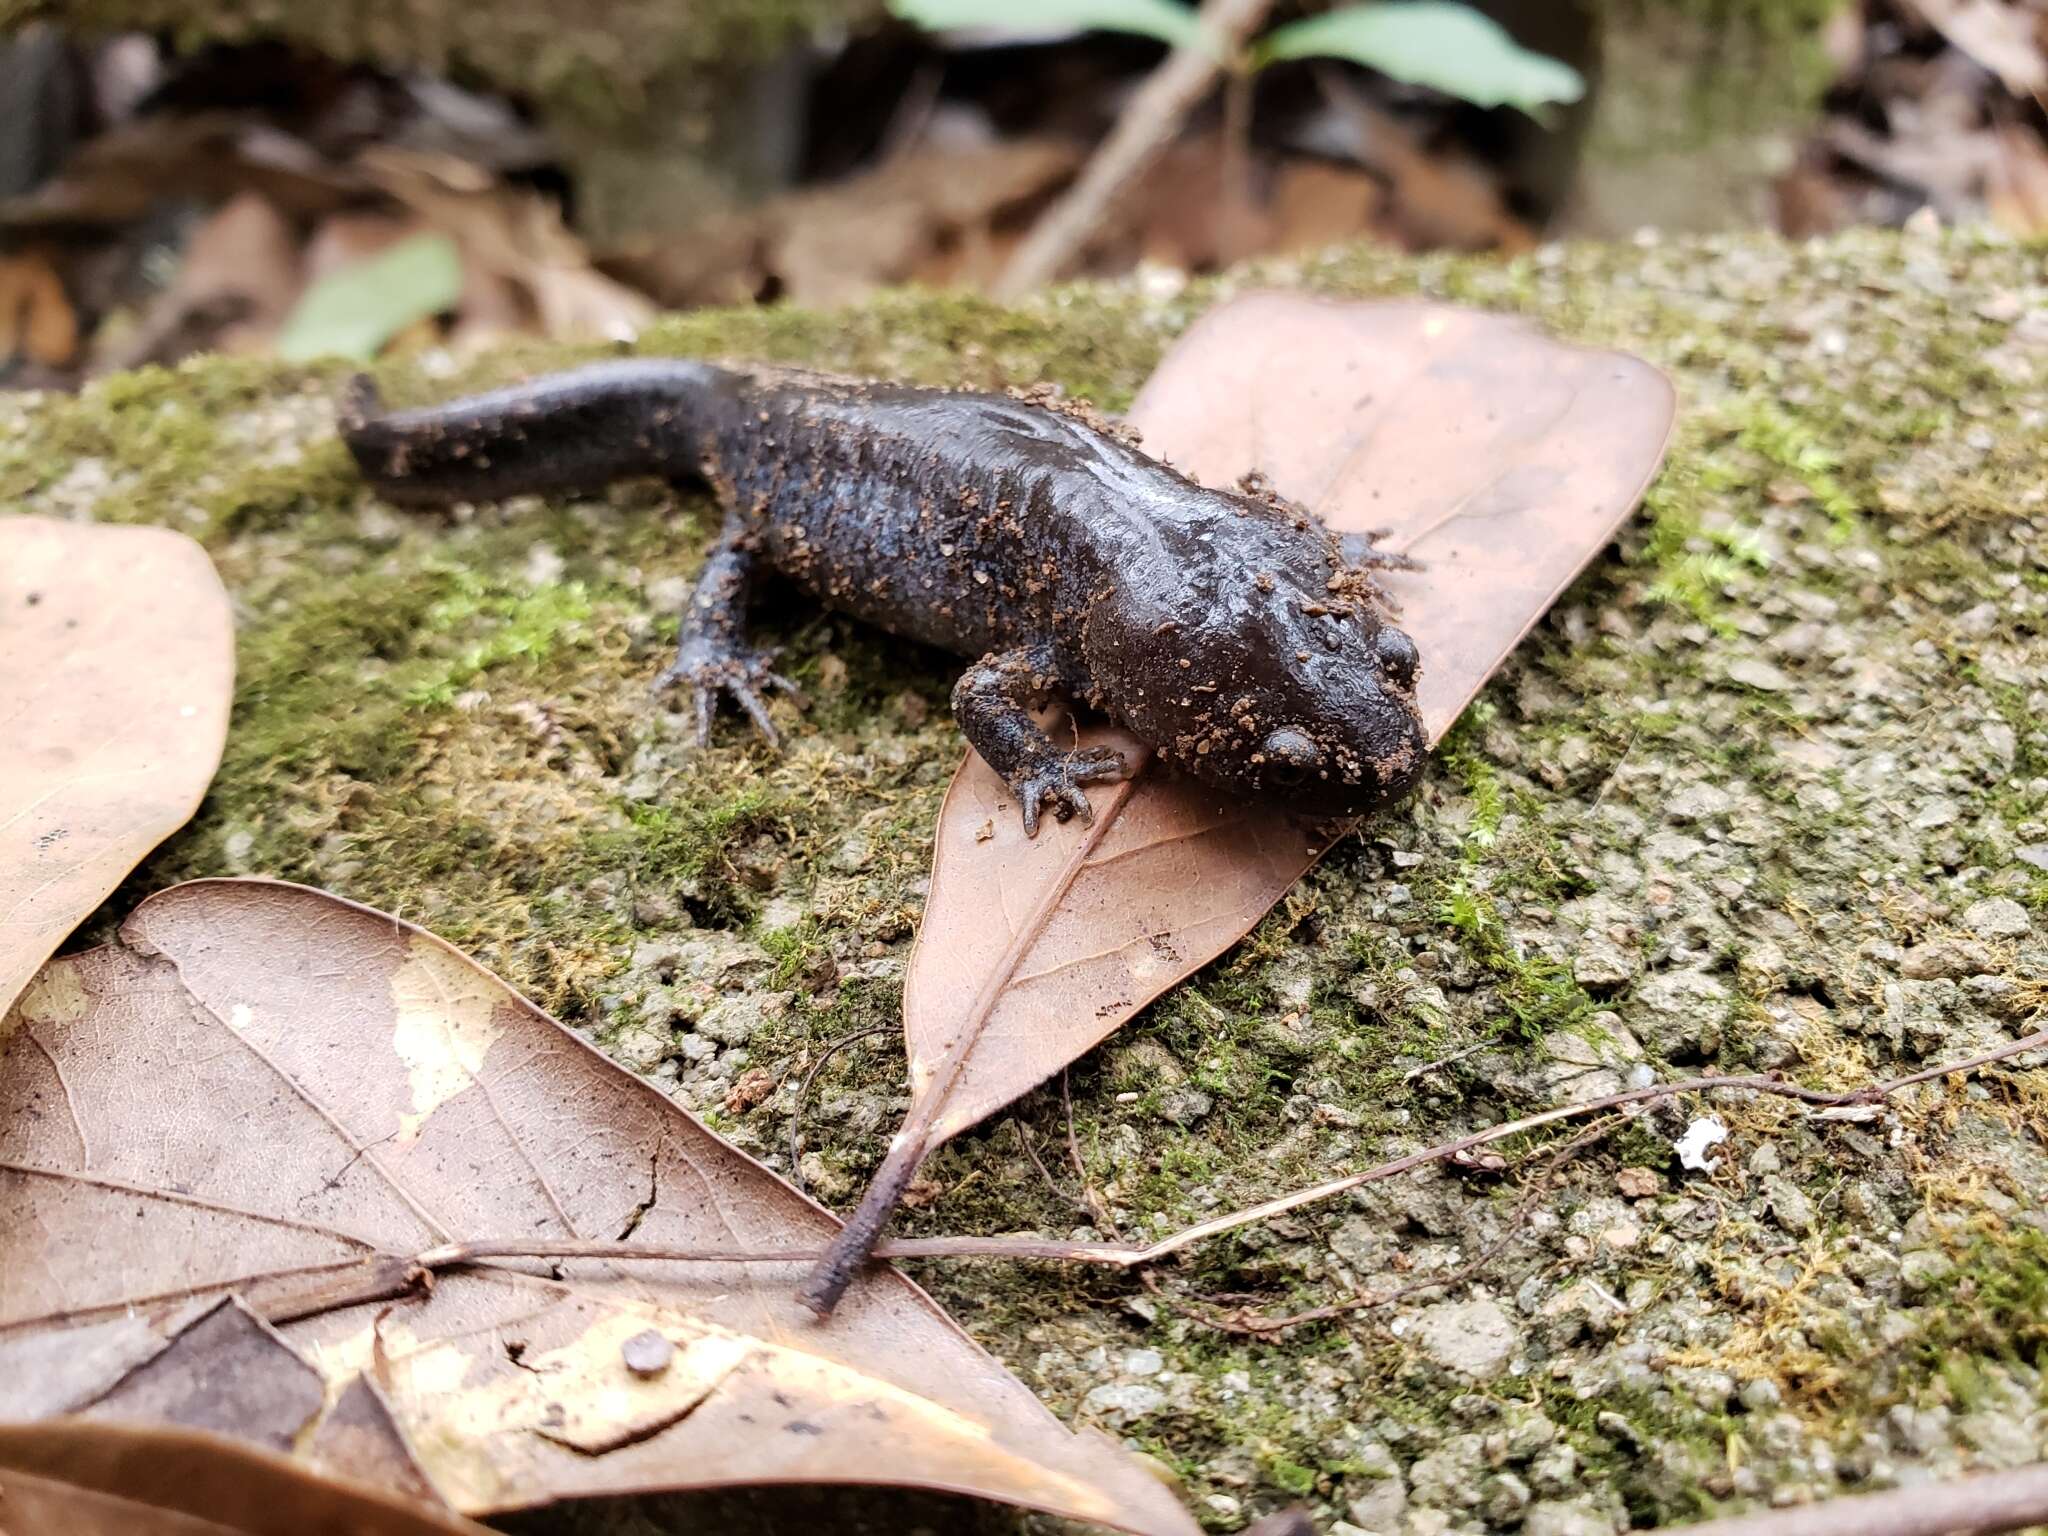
1223 628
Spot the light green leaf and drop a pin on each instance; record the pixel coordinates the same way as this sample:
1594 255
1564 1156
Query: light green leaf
1164 19
353 312
1448 47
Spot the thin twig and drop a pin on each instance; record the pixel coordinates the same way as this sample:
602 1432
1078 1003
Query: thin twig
385 1275
803 1093
1098 1208
1127 1256
1030 1151
1950 1069
1444 1061
1148 124
1973 1506
1255 1325
919 1132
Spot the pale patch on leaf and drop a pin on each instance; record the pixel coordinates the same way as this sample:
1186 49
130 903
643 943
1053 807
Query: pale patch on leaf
443 1031
581 1395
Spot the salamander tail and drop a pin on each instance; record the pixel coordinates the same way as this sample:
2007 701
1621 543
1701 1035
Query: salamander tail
573 432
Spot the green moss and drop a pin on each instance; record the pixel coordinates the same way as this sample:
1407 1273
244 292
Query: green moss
1462 757
1992 1308
374 652
1536 994
1290 1477
794 949
691 846
1790 444
525 627
1612 1455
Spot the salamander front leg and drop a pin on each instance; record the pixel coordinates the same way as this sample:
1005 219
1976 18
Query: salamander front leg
993 702
714 656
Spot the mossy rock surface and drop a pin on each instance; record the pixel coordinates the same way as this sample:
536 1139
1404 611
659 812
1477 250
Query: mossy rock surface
1768 789
600 54
664 113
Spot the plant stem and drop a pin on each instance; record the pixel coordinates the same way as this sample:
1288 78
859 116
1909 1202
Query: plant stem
1147 126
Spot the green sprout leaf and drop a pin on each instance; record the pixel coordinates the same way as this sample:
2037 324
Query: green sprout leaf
1170 23
353 312
1448 47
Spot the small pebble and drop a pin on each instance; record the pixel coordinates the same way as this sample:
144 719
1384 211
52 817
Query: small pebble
647 1353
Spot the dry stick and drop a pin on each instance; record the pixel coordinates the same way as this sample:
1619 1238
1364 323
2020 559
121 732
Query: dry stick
1098 1208
1253 1325
386 1276
803 1094
1045 1173
1444 1061
1973 1506
1125 1256
1144 130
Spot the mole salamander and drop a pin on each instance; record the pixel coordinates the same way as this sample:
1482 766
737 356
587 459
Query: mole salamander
1226 629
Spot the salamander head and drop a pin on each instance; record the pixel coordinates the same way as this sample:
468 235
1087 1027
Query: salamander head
1287 695
1336 734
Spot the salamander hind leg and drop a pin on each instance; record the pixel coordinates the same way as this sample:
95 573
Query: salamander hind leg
993 702
714 657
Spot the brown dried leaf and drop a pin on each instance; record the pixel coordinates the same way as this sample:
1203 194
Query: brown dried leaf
2004 38
239 278
36 318
275 1094
70 1477
933 214
1502 459
1043 946
2017 194
1435 200
516 236
120 176
225 1371
116 667
830 245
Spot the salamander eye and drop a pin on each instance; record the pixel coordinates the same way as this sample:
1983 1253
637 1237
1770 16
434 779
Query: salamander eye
1397 656
1290 758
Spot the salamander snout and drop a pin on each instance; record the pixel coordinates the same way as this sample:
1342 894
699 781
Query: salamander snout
1347 739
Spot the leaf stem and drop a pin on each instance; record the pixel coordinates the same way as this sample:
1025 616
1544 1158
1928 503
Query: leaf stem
856 1240
385 1275
1144 130
1128 1256
922 1130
